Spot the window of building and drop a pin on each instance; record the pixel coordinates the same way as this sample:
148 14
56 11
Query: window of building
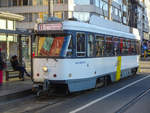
99 45
30 2
81 44
58 14
39 2
97 3
14 2
104 5
25 2
82 2
82 16
109 46
28 17
58 1
90 52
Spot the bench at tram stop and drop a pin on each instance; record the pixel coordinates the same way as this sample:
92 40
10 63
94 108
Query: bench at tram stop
12 74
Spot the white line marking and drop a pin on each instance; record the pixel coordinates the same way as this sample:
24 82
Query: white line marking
106 96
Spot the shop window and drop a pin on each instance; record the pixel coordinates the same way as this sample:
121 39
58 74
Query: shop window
109 46
116 46
90 52
81 44
99 45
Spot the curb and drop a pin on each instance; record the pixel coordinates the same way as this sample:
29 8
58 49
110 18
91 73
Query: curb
16 95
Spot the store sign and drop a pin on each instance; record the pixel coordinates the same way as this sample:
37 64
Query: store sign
50 27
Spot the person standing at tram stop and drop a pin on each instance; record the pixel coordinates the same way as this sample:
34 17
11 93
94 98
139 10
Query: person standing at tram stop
1 68
17 67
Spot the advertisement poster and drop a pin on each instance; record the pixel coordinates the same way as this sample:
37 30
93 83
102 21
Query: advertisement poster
56 46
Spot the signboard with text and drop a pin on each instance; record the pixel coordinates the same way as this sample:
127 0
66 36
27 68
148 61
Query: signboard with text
50 27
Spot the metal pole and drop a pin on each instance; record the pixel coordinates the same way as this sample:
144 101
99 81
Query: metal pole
32 36
109 9
20 49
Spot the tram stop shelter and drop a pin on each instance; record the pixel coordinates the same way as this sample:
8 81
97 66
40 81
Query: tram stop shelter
11 37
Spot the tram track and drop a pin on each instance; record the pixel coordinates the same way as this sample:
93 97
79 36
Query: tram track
133 101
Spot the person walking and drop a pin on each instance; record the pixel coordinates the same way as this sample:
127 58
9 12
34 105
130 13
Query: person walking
1 67
17 67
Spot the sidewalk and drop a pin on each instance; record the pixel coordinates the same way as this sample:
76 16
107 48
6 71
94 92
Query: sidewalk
15 89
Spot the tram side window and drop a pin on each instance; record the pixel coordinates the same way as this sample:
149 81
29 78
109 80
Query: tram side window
129 47
90 52
116 46
99 45
70 48
81 47
109 46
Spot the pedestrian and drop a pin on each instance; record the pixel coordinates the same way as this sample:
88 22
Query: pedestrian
2 65
17 67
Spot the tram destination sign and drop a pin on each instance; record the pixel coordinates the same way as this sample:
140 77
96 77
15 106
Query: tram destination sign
50 27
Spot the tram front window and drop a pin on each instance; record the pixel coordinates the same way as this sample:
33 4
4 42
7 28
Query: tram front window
52 46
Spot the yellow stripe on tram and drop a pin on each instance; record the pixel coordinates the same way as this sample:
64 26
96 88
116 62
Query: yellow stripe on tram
118 73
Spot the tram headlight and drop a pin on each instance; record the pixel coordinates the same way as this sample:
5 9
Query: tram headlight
45 69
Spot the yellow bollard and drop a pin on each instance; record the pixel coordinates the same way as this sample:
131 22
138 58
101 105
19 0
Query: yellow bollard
139 69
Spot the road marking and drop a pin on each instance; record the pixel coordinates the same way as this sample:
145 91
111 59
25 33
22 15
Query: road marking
108 95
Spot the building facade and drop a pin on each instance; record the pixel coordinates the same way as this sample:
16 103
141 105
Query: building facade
138 17
80 9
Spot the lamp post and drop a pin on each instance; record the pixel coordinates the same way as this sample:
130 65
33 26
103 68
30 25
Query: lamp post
109 9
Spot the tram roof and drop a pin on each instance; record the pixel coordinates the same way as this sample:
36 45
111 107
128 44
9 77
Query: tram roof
81 26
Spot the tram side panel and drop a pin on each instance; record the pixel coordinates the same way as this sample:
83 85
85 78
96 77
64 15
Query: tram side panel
81 74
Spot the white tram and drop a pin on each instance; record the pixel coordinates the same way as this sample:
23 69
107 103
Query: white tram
80 55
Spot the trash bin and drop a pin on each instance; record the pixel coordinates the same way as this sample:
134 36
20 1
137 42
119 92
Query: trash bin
1 77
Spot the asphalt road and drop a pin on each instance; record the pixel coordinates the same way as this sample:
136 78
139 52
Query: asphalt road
130 95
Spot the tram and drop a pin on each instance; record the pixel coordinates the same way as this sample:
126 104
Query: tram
79 55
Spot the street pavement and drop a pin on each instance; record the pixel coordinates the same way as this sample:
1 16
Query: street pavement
130 95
